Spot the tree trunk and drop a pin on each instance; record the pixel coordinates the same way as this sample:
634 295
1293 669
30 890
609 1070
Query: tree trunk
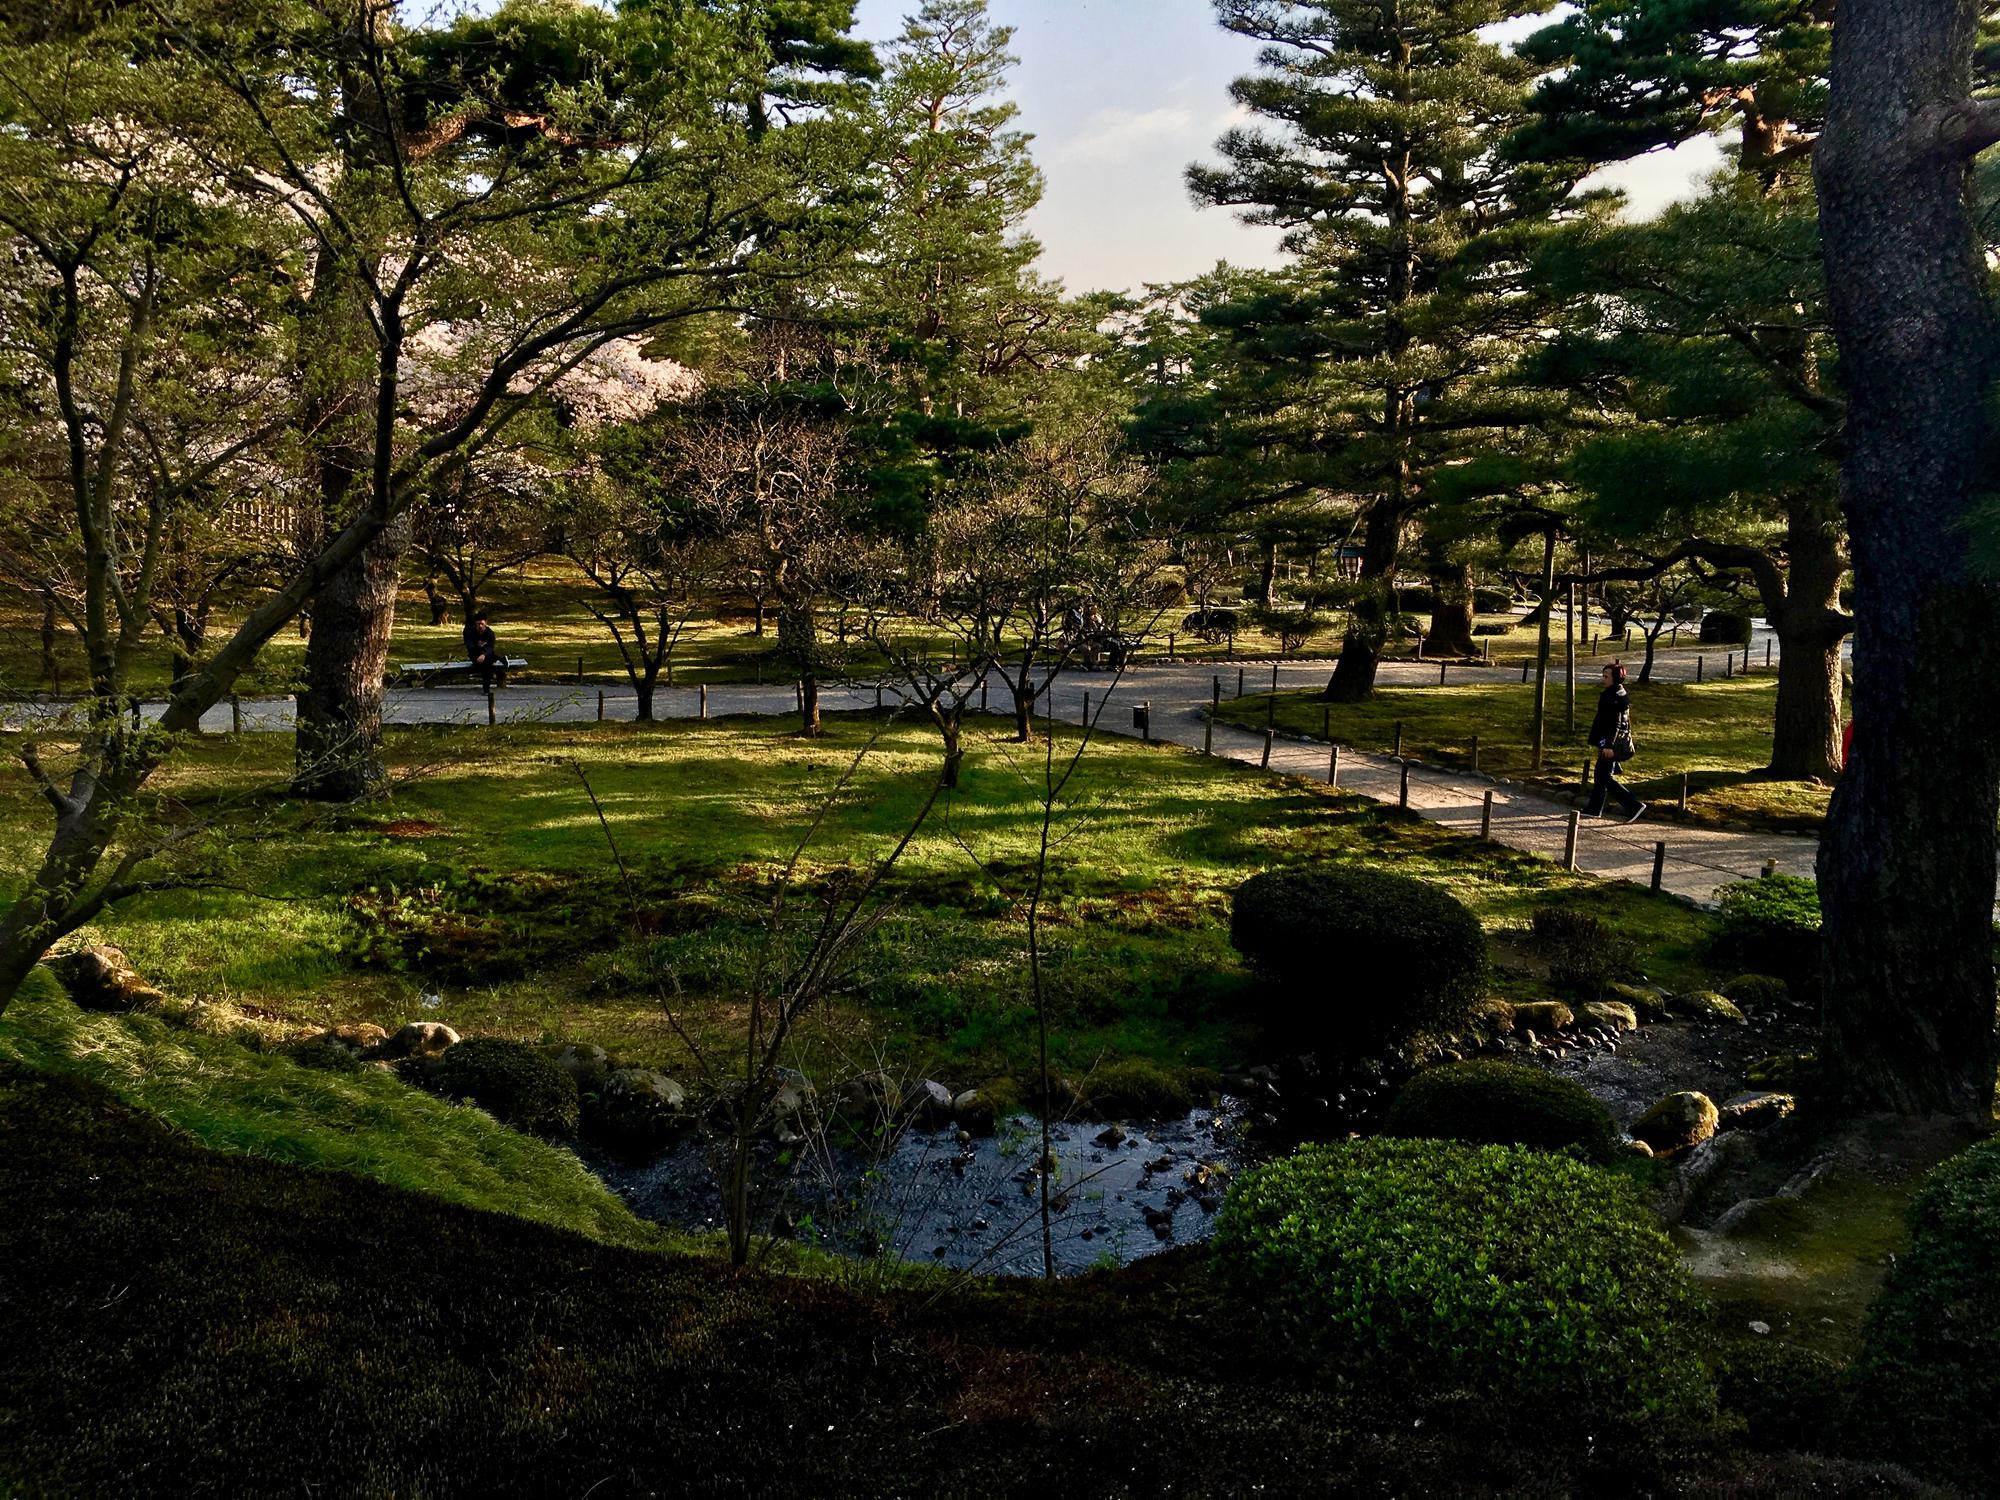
809 725
1269 581
1805 732
1652 641
49 638
1451 610
1906 867
439 608
643 690
954 750
1353 679
338 756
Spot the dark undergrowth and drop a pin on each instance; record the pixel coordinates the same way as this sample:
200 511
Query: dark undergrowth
178 1321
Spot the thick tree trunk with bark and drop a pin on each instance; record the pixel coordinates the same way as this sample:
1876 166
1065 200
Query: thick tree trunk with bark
1907 864
1451 610
1353 679
1805 733
339 749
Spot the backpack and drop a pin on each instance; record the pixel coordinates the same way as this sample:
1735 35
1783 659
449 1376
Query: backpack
1623 746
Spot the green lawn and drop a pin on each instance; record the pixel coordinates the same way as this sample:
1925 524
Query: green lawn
486 882
1717 734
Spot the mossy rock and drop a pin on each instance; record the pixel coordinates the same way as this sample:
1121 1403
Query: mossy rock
1493 1017
1615 1014
1708 1008
512 1081
1543 1016
1650 1004
1677 1122
1138 1089
1759 991
1795 1073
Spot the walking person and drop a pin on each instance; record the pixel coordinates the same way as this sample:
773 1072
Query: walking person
1611 738
481 649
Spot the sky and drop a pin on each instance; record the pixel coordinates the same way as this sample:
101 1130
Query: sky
1120 95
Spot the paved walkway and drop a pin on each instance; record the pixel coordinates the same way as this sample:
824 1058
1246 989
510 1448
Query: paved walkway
1697 860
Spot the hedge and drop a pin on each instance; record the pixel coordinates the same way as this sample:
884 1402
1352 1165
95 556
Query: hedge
1501 1103
511 1081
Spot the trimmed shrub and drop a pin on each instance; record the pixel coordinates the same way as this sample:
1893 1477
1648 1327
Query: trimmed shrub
1491 629
327 1056
1492 1269
1485 1103
513 1082
1927 1383
1584 955
1773 922
1765 992
1725 627
1359 958
1492 601
1137 1089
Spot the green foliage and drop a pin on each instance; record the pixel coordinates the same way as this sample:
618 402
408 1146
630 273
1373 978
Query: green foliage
474 926
1584 955
263 1103
1790 1399
1774 923
1352 957
515 1083
1927 1383
1492 601
1764 992
1524 1276
1484 1102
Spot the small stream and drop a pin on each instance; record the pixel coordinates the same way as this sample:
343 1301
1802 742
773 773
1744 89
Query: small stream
1121 1191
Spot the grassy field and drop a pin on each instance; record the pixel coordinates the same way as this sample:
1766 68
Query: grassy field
1717 734
485 885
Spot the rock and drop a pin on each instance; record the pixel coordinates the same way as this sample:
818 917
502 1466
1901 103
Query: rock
359 1037
1677 1122
933 1104
1707 1006
975 1112
1528 1039
1755 1108
102 978
1648 1002
1793 1073
588 1064
1111 1135
1543 1015
874 1096
1759 1327
648 1084
417 1039
1613 1015
792 1097
1638 1148
1494 1017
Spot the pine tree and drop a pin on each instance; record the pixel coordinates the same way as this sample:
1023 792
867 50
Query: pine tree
1386 347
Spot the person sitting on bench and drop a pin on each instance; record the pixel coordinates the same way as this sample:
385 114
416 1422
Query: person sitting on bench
482 650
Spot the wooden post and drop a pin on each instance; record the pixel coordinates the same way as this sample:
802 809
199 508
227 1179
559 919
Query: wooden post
1399 739
1569 662
1274 679
799 696
1265 764
1684 791
1770 870
1659 864
1333 767
1441 671
1486 815
600 704
982 694
1170 645
1527 663
1403 792
1085 720
1699 663
1208 733
235 714
704 700
1729 664
1767 653
579 669
1239 682
1569 841
1486 650
492 714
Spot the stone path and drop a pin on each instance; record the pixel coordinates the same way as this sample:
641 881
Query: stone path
1697 860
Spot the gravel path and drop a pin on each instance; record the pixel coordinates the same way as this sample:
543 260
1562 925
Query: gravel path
1697 860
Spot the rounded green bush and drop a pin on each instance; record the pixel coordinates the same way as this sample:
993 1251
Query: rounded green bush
1758 991
1791 1399
1502 1103
515 1083
1773 922
1927 1384
1724 627
1355 958
1442 1268
1138 1089
1492 601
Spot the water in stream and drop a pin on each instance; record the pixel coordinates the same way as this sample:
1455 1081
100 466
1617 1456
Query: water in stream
1120 1191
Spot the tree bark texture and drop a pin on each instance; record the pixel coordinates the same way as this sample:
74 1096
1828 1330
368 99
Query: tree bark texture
339 750
1451 610
1353 679
1906 867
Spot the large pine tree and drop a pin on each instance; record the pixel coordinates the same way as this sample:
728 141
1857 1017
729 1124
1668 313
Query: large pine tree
1389 341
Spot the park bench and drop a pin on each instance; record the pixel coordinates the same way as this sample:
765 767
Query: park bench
429 673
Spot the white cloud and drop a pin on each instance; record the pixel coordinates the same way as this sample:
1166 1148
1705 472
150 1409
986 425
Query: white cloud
1114 135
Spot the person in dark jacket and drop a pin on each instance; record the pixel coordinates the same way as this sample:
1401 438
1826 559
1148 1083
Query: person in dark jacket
482 650
1611 738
